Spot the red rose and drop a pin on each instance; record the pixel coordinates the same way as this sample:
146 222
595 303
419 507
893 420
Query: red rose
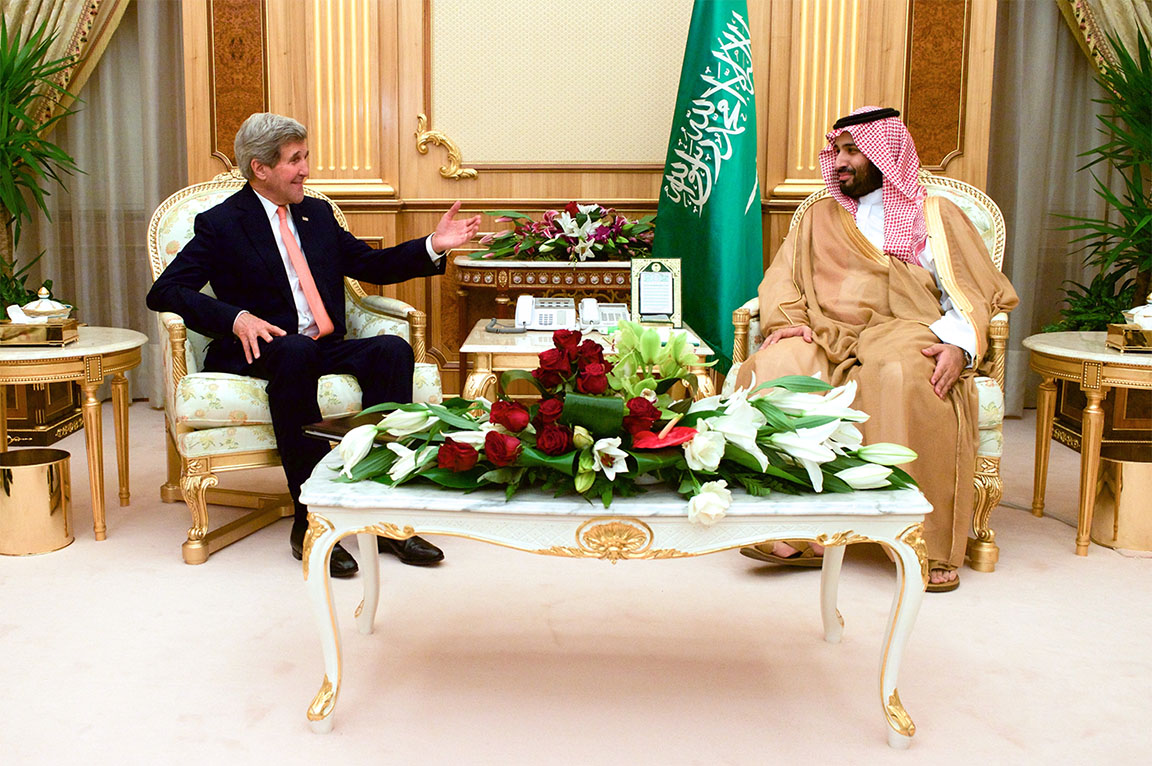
566 341
501 449
572 208
589 352
549 411
548 379
555 360
456 456
593 379
511 415
641 415
554 439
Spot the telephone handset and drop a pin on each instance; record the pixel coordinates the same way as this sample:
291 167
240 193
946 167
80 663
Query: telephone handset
602 317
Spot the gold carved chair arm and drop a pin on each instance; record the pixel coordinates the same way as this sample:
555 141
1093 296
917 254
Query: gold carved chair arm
177 335
993 364
741 322
395 308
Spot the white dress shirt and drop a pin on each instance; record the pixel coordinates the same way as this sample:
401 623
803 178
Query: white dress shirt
305 322
952 327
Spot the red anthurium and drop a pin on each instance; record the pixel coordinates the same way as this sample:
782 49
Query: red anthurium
674 437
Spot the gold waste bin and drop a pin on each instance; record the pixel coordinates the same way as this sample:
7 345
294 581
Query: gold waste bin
35 501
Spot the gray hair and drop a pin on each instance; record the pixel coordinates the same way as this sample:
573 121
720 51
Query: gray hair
260 139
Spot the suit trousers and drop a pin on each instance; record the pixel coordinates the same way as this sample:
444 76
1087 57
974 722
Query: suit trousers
293 365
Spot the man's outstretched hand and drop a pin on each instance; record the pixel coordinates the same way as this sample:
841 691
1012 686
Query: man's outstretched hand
803 331
949 365
250 329
451 232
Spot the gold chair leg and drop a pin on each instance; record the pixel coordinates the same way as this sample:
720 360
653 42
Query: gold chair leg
193 487
983 553
170 490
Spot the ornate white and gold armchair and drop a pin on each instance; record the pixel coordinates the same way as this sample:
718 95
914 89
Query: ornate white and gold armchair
217 422
986 217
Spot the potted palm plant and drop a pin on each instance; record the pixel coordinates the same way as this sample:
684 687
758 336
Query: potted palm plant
1120 246
30 164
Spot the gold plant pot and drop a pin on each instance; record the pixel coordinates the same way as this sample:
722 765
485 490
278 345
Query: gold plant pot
35 501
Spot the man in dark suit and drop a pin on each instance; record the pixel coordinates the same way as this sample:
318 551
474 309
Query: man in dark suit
276 262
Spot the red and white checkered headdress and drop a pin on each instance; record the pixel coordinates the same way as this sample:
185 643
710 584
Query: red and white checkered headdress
887 143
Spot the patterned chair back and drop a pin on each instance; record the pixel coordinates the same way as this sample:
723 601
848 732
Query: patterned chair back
978 206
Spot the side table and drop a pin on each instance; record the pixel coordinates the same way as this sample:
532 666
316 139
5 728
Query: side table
494 353
1080 357
99 352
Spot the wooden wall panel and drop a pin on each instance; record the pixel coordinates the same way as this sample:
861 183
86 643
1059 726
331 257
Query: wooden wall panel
358 73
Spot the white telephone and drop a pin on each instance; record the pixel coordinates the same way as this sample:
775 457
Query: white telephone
560 314
545 313
602 317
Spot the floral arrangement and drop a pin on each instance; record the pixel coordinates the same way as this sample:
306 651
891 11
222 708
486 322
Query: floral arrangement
606 424
576 233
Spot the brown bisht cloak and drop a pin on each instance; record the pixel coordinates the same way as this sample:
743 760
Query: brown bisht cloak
870 316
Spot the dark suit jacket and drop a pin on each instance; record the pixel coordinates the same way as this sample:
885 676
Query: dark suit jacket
234 251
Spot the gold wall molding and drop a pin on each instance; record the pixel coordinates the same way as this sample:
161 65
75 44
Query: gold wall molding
425 136
934 92
237 69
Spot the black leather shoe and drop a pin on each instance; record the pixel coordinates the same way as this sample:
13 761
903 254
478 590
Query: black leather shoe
415 550
341 564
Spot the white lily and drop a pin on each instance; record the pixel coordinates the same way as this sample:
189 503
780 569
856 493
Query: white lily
870 476
885 453
583 249
834 402
707 403
408 460
807 447
705 450
740 429
845 438
475 438
586 209
400 423
355 445
710 504
609 458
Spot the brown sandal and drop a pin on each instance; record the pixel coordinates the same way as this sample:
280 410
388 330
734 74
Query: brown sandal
804 557
942 587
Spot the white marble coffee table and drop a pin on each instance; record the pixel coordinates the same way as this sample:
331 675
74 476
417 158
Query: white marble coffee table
651 526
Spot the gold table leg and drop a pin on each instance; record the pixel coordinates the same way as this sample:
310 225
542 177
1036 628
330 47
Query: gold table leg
120 419
3 418
1089 465
93 438
481 379
1045 411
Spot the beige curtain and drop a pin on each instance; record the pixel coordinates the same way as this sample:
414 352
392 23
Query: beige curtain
1093 21
129 140
1042 106
83 29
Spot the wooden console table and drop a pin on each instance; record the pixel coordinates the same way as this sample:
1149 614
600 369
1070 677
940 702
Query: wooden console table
1079 357
651 526
99 352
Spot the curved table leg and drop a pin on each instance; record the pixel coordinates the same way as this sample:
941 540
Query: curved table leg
318 544
120 404
370 574
93 438
911 579
829 583
481 379
1045 412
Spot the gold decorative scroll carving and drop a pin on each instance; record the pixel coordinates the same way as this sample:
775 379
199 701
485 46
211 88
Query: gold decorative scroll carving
613 539
425 136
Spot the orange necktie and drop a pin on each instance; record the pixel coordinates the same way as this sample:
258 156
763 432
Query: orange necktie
304 274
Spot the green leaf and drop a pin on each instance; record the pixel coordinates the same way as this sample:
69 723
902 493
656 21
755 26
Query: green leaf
603 416
796 383
511 376
531 456
470 479
648 461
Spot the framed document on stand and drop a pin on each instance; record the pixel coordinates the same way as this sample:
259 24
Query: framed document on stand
656 291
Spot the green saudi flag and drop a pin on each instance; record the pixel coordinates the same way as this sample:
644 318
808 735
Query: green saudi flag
709 213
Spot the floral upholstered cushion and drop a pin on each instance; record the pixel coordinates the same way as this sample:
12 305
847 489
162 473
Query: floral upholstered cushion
991 442
215 399
217 441
363 323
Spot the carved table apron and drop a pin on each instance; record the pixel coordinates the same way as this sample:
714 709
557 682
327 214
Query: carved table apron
651 526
